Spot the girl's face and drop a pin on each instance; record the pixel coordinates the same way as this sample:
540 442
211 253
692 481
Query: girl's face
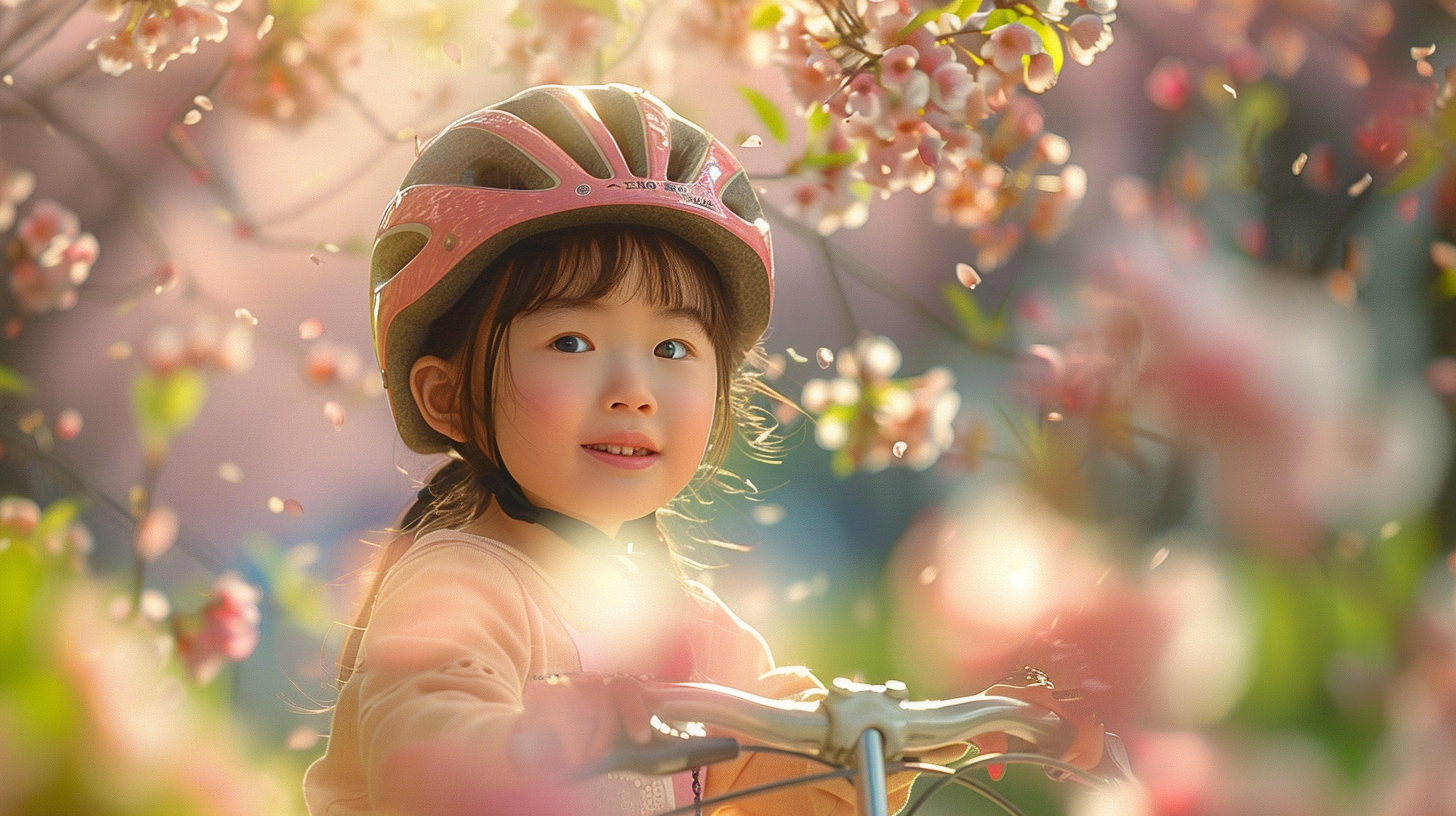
604 409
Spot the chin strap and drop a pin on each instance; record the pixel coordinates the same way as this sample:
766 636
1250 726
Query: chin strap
513 501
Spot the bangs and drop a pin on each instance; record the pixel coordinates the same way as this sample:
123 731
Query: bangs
590 264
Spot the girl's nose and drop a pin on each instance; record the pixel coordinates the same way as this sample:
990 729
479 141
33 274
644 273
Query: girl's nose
627 389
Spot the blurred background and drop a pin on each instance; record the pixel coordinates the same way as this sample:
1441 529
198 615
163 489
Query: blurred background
1122 332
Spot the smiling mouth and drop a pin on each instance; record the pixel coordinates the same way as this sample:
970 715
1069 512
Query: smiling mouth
621 450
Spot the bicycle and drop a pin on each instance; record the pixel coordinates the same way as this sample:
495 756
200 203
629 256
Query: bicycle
860 731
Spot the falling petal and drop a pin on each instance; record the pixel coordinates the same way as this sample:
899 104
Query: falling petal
30 421
246 316
156 533
1361 186
229 472
292 507
1421 52
265 26
1158 557
275 504
317 261
192 117
1299 163
1425 68
335 414
967 275
1231 91
769 514
898 449
202 101
928 575
1390 529
120 350
302 738
405 134
824 357
332 249
68 424
310 329
1054 416
1443 254
752 140
1407 208
8 79
796 356
453 52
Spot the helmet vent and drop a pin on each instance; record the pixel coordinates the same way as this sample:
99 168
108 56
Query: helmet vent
393 251
738 197
477 158
619 112
545 113
689 150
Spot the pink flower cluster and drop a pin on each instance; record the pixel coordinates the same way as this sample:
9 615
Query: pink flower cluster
291 71
49 256
208 341
938 104
736 27
1261 37
157 31
226 628
556 41
873 420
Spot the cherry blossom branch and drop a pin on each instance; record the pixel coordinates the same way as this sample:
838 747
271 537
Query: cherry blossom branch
142 218
24 28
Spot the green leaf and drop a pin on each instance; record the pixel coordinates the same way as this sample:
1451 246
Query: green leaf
836 159
519 18
766 16
1426 155
817 120
767 112
966 8
983 332
1259 111
1446 285
12 384
927 16
998 18
606 8
166 405
1051 41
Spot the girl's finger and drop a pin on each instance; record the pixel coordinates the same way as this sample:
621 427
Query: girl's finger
631 708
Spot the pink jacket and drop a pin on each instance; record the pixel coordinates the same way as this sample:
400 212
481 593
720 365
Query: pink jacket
459 626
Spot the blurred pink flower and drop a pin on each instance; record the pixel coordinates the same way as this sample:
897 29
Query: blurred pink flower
228 629
1169 84
15 187
156 533
292 73
157 32
49 258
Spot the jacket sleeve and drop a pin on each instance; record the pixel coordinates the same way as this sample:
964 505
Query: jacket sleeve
440 673
835 797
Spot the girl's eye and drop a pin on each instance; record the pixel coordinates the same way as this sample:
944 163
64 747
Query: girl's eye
571 344
672 349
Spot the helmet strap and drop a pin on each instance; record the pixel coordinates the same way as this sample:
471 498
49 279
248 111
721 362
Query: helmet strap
512 500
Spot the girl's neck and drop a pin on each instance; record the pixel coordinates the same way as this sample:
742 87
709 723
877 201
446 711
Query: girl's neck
552 553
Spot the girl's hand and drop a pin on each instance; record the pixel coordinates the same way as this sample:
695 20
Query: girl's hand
1032 686
575 718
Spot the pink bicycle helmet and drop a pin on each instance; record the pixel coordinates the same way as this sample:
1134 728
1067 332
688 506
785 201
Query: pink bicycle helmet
551 157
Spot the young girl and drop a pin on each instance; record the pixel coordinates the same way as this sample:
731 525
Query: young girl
563 292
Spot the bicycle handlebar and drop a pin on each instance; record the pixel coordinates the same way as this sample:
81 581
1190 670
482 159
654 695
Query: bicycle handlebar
831 727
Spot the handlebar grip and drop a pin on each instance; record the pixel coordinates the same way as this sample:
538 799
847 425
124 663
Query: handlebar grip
666 756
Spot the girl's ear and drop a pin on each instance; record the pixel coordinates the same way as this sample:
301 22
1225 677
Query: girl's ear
433 383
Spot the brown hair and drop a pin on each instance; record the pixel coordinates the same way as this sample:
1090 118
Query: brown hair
573 265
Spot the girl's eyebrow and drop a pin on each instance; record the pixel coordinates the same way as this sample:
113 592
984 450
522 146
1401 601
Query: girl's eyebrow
684 312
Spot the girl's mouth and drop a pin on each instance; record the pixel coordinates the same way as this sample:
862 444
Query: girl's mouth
621 450
627 457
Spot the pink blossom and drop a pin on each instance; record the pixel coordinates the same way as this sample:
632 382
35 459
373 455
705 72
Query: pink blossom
950 86
50 257
117 53
156 533
1040 74
1008 44
228 629
1169 84
897 65
328 362
19 514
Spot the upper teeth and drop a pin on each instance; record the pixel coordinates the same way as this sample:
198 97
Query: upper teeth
621 450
